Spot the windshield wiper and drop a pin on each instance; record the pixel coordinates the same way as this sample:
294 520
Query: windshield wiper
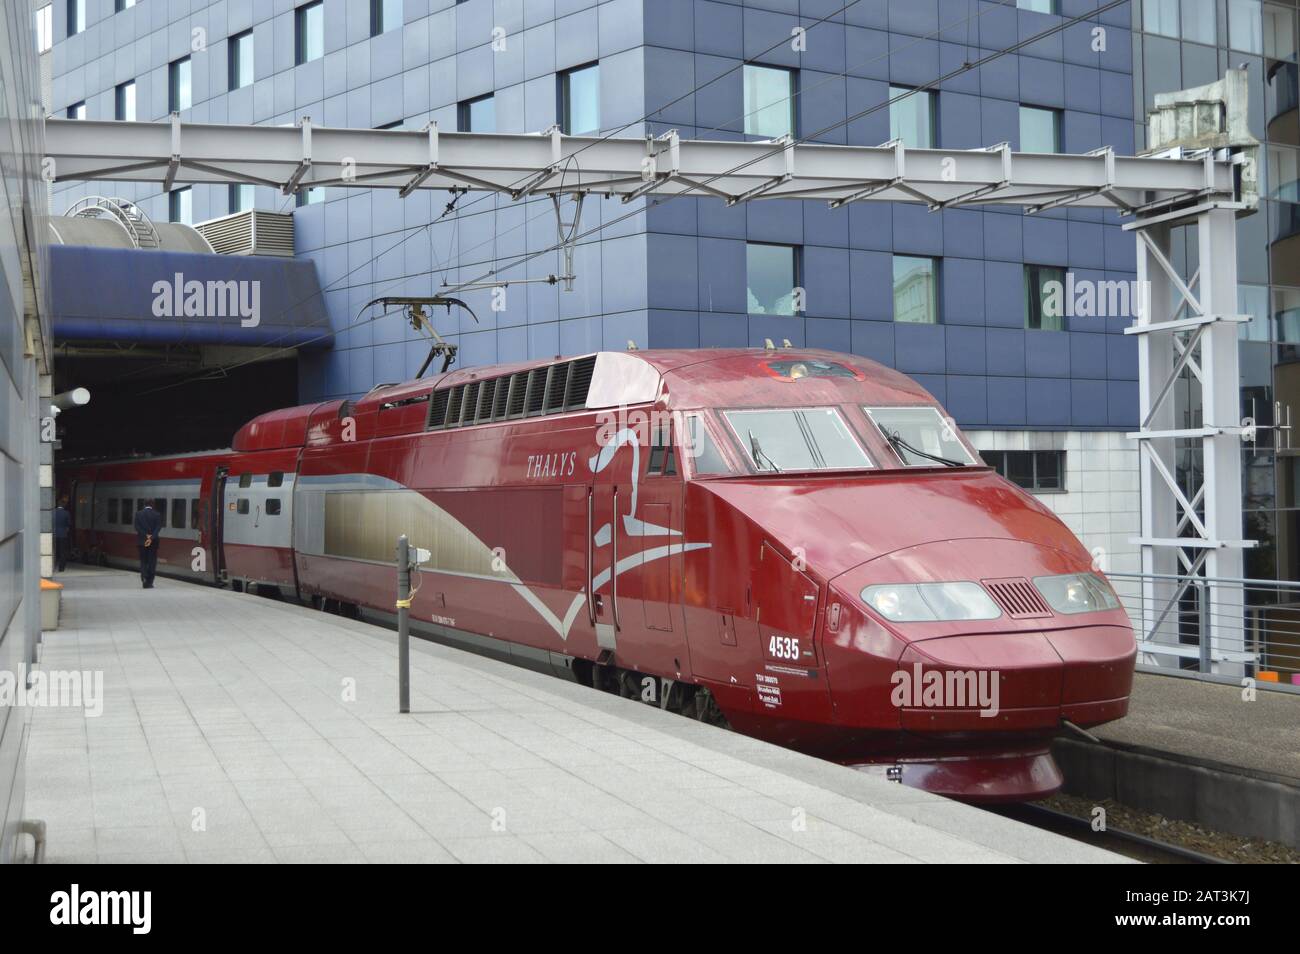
759 456
896 441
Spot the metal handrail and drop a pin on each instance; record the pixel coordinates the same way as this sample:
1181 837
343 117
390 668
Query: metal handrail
1224 626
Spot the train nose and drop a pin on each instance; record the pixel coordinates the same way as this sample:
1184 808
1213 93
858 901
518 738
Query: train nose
1015 681
987 657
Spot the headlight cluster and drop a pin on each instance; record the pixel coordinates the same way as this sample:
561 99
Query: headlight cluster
930 602
1076 592
1067 593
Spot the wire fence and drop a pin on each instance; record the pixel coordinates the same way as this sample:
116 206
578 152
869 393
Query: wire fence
1215 626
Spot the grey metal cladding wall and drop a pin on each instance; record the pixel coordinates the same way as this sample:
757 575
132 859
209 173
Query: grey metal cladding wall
22 200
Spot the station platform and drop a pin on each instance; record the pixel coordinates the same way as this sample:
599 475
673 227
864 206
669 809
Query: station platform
1210 724
238 729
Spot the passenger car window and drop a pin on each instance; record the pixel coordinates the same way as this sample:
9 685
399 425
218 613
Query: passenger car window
920 436
275 478
246 480
779 439
273 506
242 507
111 516
194 513
178 513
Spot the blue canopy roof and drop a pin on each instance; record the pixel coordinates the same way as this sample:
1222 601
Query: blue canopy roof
130 295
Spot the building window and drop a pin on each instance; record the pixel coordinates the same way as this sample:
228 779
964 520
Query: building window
769 102
120 5
178 85
1044 304
311 196
385 15
771 277
124 102
239 60
77 111
912 118
1244 27
1033 470
76 16
580 100
309 32
180 207
45 28
477 115
240 196
916 298
1190 19
1037 6
1040 129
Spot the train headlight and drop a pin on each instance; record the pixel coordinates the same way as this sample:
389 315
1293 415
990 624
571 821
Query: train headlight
930 602
1076 593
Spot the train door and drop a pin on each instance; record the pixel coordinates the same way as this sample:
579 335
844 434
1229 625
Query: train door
657 526
785 606
603 538
216 525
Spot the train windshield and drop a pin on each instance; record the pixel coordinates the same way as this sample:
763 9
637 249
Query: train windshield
781 439
920 436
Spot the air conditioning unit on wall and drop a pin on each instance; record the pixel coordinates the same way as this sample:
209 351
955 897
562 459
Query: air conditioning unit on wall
255 232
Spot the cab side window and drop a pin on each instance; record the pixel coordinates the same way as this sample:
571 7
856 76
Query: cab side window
663 457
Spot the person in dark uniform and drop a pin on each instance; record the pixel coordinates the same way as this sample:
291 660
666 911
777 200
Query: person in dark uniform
147 524
62 529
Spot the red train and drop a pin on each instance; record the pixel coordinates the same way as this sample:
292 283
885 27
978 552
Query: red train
799 544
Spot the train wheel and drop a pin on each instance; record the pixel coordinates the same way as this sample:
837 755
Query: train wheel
704 707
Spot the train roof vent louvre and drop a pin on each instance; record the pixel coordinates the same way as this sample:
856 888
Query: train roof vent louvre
438 409
453 405
500 398
556 386
486 395
580 383
536 390
1018 597
470 402
518 388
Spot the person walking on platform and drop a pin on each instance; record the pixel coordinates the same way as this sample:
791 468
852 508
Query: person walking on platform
147 524
62 527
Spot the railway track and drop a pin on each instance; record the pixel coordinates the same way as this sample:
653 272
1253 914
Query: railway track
1127 843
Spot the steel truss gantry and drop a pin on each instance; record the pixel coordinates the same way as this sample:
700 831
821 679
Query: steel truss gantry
1203 177
519 165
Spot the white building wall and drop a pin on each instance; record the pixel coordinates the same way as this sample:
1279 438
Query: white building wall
1100 498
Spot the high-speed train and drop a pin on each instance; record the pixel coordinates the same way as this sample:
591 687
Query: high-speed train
796 543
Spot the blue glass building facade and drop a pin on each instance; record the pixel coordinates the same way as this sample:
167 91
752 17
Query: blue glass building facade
679 274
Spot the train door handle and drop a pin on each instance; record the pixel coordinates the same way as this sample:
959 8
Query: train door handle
257 516
591 597
613 561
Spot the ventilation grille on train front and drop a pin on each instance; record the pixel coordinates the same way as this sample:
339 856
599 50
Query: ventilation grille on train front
1018 597
549 390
